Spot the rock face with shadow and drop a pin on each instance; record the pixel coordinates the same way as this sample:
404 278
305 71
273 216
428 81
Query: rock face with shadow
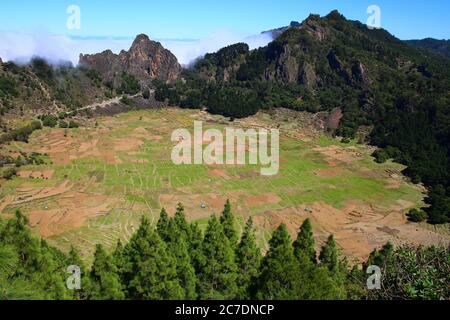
145 60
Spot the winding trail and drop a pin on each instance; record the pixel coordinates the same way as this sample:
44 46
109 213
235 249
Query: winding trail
106 103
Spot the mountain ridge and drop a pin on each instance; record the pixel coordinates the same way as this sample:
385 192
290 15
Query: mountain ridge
145 59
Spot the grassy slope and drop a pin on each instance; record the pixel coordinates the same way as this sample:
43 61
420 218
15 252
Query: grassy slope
137 187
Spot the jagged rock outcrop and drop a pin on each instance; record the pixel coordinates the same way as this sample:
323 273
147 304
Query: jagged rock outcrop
308 76
337 65
146 59
359 74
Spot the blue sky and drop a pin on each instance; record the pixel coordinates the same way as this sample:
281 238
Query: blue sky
195 19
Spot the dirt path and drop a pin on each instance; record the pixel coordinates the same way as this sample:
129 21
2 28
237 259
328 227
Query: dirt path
106 103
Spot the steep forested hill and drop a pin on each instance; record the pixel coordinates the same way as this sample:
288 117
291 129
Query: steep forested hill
323 63
441 47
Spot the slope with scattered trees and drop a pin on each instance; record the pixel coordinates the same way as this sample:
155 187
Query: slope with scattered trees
176 260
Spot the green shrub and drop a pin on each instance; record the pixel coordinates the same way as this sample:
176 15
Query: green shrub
346 140
129 85
36 125
63 124
9 173
380 156
127 101
50 121
73 124
7 87
146 94
416 215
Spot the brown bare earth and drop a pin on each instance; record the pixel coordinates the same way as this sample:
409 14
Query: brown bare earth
358 227
99 180
74 209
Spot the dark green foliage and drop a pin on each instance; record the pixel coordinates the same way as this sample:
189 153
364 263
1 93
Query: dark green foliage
305 244
73 124
149 270
377 80
439 199
49 121
74 259
198 259
232 101
177 244
228 224
176 233
248 259
94 75
9 173
21 134
129 85
329 255
441 47
63 124
416 215
412 273
7 87
163 225
280 272
146 94
217 278
219 65
42 69
283 276
104 282
30 268
187 265
127 101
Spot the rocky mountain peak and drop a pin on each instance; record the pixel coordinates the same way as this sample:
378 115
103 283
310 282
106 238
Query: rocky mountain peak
145 60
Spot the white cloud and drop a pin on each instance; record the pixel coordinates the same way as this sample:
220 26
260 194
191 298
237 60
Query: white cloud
21 47
188 51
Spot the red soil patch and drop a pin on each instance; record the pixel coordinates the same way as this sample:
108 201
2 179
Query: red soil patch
358 227
335 118
219 173
328 173
72 213
266 198
5 202
45 174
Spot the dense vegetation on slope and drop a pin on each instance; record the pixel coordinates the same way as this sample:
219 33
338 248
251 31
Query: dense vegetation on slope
176 260
325 63
441 47
41 88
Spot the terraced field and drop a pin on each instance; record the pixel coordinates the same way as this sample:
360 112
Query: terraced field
101 178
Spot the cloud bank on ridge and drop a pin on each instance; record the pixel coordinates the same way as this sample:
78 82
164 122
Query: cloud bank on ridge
21 47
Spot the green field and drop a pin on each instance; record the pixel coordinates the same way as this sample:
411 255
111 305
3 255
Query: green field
124 164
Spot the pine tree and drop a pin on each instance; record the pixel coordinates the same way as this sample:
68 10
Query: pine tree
104 281
118 257
180 222
149 269
329 256
198 259
280 271
41 266
178 246
248 259
305 242
217 278
75 260
163 224
228 223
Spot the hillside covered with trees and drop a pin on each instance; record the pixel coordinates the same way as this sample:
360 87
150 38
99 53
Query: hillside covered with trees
176 260
378 81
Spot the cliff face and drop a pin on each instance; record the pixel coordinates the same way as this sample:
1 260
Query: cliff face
145 60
